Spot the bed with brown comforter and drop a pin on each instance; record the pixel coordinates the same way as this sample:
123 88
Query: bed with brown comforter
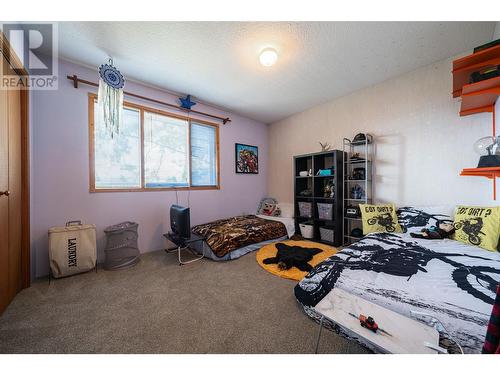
227 235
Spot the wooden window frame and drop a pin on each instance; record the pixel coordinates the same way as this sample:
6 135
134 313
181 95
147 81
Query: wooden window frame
92 188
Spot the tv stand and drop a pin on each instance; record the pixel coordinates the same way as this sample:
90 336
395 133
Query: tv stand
182 243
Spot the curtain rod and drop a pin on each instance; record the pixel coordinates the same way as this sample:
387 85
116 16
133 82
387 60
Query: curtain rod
77 80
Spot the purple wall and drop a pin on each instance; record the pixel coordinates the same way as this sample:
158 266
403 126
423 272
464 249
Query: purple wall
60 172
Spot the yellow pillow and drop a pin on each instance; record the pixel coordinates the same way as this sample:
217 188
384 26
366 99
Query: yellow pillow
478 226
379 218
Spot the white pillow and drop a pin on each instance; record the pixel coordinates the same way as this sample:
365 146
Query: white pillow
286 209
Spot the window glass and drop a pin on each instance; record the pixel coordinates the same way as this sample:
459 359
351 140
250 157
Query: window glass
203 155
118 159
166 162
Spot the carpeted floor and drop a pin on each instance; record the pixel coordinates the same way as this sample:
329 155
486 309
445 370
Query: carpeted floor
160 307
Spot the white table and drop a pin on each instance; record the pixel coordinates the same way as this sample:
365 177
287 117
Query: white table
405 335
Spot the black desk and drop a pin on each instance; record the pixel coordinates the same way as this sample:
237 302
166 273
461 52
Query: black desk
182 243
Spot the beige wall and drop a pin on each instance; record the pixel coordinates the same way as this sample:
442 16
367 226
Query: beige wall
496 35
421 142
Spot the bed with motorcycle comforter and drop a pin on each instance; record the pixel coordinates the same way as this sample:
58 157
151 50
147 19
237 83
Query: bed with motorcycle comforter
452 283
235 236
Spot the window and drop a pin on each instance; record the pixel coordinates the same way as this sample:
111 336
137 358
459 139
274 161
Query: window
203 155
118 159
154 150
166 155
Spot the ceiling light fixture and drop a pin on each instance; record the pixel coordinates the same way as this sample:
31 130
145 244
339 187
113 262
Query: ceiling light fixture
268 57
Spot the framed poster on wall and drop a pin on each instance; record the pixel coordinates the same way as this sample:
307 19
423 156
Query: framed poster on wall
246 158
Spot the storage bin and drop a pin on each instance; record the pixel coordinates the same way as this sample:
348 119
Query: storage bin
121 246
326 233
305 209
72 249
325 211
306 230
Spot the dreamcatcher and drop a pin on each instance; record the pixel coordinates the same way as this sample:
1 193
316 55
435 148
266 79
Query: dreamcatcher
110 97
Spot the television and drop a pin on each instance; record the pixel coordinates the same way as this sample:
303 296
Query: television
179 221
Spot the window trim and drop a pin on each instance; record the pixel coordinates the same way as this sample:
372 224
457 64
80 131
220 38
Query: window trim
92 189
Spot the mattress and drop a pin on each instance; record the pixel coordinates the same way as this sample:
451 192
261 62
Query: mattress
445 283
235 254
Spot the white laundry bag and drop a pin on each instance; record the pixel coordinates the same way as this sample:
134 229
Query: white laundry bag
72 248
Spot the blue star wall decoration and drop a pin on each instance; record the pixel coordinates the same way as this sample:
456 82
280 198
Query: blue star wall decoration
186 102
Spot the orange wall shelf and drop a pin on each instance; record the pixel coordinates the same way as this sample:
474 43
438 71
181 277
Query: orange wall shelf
463 67
492 173
478 97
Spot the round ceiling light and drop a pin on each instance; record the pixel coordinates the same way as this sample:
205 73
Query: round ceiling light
268 57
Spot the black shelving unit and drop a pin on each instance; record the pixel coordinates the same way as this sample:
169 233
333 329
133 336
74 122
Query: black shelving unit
332 160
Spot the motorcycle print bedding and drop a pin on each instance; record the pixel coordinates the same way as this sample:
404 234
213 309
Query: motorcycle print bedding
451 283
415 219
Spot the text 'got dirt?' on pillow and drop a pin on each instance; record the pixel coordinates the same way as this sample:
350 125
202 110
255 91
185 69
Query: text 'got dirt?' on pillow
379 218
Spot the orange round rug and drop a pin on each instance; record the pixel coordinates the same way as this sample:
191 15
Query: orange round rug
269 251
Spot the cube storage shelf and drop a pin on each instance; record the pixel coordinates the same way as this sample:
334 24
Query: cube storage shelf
314 186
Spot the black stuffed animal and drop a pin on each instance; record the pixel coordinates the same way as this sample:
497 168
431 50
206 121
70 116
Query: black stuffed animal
293 256
441 231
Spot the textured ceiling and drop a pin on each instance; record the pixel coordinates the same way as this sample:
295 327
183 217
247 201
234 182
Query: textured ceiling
217 62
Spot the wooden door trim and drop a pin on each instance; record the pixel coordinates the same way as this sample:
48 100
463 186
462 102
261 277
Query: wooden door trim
25 194
12 58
